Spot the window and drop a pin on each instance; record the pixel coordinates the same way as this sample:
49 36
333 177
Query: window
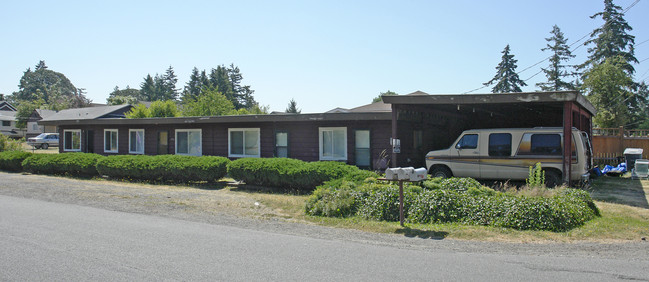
500 144
35 126
469 141
72 140
188 142
281 144
136 141
6 123
243 142
333 143
362 148
110 141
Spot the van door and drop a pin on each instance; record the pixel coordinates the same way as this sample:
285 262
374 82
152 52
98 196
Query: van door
466 162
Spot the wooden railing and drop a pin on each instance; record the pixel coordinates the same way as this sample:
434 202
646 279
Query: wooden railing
629 133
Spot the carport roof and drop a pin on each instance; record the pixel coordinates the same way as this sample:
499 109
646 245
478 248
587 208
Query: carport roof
422 98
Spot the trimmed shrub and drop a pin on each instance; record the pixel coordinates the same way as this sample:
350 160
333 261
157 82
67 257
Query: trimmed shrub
292 173
73 164
564 210
13 160
173 168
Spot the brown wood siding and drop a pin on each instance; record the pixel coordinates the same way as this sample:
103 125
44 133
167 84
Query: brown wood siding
303 137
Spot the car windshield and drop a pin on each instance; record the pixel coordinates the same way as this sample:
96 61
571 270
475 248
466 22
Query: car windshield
41 136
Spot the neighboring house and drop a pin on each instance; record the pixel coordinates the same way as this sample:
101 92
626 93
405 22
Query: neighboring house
361 136
5 106
33 128
8 121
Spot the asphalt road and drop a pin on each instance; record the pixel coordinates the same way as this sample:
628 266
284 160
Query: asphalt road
42 240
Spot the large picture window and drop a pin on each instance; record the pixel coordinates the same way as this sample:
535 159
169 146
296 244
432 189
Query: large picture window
243 142
110 140
136 141
333 143
188 142
72 140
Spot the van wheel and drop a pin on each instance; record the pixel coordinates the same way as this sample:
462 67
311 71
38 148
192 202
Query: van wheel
440 171
45 146
552 178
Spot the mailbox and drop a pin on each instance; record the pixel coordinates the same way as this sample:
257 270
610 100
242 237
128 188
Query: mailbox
406 173
419 174
392 173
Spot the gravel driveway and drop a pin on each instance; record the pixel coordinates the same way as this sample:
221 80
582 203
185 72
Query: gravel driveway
222 207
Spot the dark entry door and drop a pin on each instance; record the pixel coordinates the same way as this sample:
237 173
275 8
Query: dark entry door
163 142
90 139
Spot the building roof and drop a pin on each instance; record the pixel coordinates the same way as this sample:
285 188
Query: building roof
228 119
45 113
373 108
88 113
5 106
556 97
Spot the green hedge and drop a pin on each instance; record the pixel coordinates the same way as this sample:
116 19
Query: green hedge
292 173
13 160
566 209
74 164
164 167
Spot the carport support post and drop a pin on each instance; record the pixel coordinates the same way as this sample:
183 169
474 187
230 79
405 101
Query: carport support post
394 134
567 141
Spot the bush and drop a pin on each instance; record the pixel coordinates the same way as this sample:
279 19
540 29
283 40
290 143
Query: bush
173 168
454 201
8 144
73 164
12 160
292 173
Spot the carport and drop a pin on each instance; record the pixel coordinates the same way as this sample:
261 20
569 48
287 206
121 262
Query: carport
423 122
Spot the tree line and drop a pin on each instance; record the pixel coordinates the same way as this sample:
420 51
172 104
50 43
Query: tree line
605 77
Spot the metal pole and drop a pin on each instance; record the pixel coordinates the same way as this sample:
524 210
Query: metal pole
401 202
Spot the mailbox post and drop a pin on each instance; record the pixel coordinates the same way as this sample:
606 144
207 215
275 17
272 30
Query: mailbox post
406 174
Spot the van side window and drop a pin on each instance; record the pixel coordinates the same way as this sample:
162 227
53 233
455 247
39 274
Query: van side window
540 144
469 141
500 144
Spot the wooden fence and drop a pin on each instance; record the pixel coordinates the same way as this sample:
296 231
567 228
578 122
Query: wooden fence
609 143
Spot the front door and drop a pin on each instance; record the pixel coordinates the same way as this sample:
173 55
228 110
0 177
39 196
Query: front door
163 143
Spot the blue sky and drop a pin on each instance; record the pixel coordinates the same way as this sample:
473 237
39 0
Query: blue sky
324 54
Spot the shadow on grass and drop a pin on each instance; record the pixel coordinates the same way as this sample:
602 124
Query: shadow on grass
621 190
423 234
245 188
218 185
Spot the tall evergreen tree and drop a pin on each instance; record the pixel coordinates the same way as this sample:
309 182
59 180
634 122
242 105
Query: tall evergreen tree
193 86
292 107
556 70
506 78
242 94
611 39
147 89
169 90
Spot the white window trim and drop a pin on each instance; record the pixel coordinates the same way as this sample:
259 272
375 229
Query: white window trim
187 130
320 131
244 142
129 141
73 131
116 140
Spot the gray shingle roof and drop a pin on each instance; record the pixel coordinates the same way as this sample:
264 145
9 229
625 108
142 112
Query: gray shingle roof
86 113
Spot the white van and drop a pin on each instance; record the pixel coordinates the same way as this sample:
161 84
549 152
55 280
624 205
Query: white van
504 154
